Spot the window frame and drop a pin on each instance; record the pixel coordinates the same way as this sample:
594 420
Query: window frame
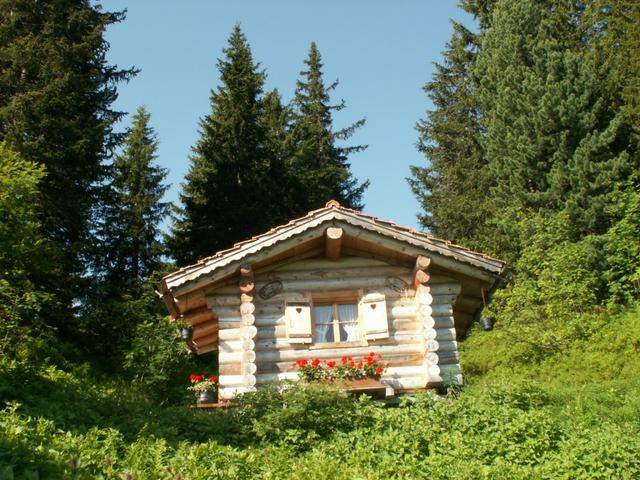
335 298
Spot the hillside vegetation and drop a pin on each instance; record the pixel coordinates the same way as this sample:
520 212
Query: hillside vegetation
570 414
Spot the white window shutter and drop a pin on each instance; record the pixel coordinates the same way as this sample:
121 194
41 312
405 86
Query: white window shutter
373 311
298 316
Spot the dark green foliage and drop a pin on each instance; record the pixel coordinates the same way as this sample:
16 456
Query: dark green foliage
453 188
56 90
258 163
129 231
297 416
533 149
129 247
114 322
552 143
156 359
227 196
319 164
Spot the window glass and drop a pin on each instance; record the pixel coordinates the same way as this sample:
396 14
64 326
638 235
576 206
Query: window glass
348 317
335 322
324 323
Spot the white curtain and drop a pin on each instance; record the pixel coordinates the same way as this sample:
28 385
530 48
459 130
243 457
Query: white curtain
348 331
324 323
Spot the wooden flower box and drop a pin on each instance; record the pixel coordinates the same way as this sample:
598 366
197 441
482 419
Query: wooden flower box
369 386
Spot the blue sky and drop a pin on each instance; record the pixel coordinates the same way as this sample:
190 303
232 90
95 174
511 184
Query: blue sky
381 51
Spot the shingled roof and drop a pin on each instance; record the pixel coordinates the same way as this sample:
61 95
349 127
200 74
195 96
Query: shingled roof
332 213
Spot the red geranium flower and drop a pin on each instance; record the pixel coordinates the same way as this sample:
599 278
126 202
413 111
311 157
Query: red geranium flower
193 377
352 364
370 360
379 370
302 363
213 379
315 362
331 363
371 354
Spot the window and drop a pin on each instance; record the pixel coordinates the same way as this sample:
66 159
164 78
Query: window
336 322
329 318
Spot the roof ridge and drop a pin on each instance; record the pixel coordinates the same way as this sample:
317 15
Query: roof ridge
334 205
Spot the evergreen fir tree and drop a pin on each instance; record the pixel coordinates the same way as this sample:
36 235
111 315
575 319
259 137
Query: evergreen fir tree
453 187
56 90
132 245
320 165
129 245
226 197
276 122
614 36
551 141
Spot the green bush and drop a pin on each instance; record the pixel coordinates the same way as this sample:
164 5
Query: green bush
158 360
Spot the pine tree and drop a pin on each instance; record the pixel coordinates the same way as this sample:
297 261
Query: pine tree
56 90
132 245
226 197
321 166
129 245
453 187
551 141
614 35
275 119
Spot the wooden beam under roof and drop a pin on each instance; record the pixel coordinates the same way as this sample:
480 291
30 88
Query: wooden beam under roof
333 242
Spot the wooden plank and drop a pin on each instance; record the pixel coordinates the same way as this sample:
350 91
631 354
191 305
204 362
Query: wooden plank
231 333
445 289
205 329
406 383
236 357
230 323
205 341
237 380
396 338
213 347
192 301
345 283
346 263
292 355
445 334
444 322
445 358
230 369
201 315
235 345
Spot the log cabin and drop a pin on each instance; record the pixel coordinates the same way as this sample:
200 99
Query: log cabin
333 283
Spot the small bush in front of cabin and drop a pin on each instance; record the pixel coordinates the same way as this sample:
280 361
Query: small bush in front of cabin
158 360
299 415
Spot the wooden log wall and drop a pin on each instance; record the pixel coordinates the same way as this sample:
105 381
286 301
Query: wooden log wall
253 347
237 333
435 301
